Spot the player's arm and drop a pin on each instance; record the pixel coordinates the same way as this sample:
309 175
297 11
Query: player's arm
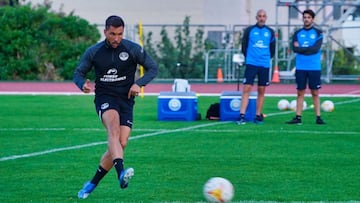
315 48
151 68
295 43
80 72
272 44
245 41
309 50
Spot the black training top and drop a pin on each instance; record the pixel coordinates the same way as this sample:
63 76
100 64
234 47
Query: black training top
115 67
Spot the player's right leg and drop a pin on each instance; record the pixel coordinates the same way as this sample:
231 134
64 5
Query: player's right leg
104 167
301 80
86 190
249 77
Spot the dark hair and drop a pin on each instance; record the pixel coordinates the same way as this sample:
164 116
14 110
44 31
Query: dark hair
310 12
114 21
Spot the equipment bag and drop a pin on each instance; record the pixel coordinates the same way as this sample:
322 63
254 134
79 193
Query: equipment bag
213 113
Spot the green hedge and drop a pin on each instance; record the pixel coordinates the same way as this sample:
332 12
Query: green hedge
36 44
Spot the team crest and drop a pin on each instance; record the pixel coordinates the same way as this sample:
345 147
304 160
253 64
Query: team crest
123 56
266 34
235 104
174 104
312 36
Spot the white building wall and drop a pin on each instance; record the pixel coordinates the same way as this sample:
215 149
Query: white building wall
224 12
227 12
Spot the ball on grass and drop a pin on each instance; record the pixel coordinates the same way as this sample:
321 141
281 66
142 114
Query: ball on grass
218 190
327 106
283 104
292 105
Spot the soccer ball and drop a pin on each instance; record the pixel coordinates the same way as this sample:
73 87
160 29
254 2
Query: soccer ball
283 105
292 105
327 106
218 190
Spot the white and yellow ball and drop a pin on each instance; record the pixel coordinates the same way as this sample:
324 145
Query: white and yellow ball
327 106
292 105
218 190
304 105
283 104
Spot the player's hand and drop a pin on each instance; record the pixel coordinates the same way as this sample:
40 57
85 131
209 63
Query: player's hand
134 91
296 44
86 87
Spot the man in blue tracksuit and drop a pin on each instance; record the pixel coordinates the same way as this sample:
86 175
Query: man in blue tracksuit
114 61
258 47
307 45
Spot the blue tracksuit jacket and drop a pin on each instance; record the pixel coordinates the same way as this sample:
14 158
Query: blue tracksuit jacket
308 54
258 45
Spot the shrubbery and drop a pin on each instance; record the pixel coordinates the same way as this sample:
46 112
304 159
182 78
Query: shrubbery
344 63
39 44
36 44
181 57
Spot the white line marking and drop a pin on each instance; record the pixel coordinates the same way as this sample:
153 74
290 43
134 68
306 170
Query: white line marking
50 151
354 92
32 129
350 94
146 135
286 131
100 143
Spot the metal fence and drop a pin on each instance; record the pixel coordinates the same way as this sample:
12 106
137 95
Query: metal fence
228 40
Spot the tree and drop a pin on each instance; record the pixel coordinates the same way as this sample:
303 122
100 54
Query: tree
9 2
182 57
36 44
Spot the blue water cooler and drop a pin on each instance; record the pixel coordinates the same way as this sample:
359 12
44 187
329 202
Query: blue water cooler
230 103
177 106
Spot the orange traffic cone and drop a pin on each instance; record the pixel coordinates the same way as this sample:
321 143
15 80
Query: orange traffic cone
220 77
276 77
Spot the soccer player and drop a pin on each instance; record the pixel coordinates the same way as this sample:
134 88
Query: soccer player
115 61
258 47
306 43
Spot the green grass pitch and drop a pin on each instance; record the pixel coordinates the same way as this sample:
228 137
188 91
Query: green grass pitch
51 145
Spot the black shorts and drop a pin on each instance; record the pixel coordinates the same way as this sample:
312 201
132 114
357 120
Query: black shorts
123 106
312 77
252 71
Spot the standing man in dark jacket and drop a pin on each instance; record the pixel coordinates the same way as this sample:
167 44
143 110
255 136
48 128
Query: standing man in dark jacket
115 61
258 47
306 44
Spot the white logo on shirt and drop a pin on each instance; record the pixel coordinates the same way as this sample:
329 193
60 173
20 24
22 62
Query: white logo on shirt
123 56
111 76
112 71
104 105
